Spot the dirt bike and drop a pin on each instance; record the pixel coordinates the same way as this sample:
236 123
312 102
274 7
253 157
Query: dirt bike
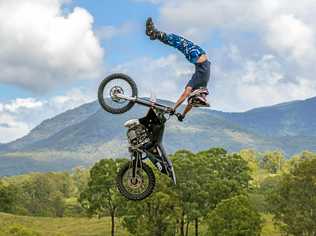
117 94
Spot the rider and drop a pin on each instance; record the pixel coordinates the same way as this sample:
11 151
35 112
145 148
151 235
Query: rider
196 87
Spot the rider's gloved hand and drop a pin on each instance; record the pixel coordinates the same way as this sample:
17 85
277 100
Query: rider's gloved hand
172 111
180 117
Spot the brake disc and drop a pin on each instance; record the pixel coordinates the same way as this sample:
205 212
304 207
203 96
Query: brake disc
136 182
114 91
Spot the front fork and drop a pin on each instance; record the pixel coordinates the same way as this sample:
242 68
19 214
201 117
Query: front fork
136 162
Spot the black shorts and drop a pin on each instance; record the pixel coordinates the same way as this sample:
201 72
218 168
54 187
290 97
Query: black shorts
201 75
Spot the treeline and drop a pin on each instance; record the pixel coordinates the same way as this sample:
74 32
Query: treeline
43 194
217 193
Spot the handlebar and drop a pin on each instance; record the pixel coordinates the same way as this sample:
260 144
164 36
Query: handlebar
178 115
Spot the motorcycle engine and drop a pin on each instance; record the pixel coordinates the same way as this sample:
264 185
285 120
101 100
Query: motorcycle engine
137 135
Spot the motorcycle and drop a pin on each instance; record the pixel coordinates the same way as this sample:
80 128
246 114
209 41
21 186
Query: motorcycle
117 94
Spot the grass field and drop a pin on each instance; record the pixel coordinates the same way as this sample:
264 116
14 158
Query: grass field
62 226
89 227
268 227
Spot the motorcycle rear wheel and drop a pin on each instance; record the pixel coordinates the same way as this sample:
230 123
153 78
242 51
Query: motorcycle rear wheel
117 84
130 188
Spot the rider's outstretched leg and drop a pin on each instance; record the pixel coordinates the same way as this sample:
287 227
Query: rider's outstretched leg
191 51
186 110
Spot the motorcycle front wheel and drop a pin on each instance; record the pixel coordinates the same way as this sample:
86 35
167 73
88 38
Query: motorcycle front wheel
138 187
113 85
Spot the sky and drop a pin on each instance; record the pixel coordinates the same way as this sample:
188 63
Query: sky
54 53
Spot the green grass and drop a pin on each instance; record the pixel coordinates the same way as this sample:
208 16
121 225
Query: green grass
93 227
268 228
63 226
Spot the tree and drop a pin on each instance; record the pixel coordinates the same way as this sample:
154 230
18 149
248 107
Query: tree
63 183
80 178
297 159
189 200
186 188
293 201
8 198
205 179
234 217
222 176
273 161
267 186
43 194
101 197
250 156
156 215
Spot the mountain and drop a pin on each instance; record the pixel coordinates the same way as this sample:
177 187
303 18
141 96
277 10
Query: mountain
81 136
52 126
287 119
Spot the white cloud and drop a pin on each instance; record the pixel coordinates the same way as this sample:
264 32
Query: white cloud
10 128
289 35
164 77
22 103
256 83
286 28
109 31
71 99
41 48
19 116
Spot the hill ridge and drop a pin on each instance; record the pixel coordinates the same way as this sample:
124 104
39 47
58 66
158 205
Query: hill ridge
87 133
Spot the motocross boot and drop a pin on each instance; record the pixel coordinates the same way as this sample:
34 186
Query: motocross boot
152 32
200 101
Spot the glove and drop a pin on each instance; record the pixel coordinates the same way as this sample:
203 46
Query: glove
172 111
180 117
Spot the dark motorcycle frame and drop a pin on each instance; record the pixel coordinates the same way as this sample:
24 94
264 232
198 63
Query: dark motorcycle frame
154 122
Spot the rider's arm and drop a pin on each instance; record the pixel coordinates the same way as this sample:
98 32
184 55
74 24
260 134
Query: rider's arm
183 96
